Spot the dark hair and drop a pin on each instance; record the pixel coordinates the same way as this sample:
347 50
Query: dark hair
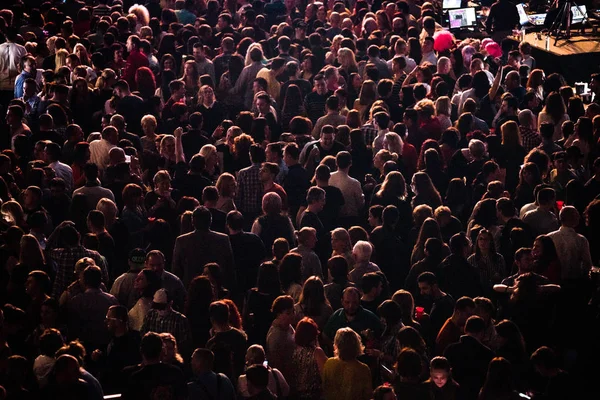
409 364
151 346
474 324
282 304
268 279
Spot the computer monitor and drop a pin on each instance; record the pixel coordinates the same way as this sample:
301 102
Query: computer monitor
577 15
537 19
450 4
462 18
522 14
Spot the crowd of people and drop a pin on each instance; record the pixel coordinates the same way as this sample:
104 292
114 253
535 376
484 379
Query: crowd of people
291 200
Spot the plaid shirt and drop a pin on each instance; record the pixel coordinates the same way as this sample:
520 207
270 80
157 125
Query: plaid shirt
250 190
530 138
65 259
174 323
370 132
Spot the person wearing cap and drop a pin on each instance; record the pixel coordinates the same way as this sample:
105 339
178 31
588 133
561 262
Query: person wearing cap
162 318
122 289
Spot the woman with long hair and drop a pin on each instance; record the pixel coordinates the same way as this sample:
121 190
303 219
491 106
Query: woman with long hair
211 159
344 377
307 361
145 82
257 308
511 154
12 214
407 305
485 216
197 303
227 187
554 112
529 178
273 224
457 199
308 67
362 157
434 168
353 86
342 245
535 82
511 345
347 62
425 192
429 229
31 255
443 110
191 78
82 101
366 98
313 303
487 261
293 105
545 258
60 59
146 284
390 313
393 192
410 338
499 382
290 275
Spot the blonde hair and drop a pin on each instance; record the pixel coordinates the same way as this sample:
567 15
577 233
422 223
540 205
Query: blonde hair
161 176
106 75
207 150
224 183
394 143
60 59
347 58
443 106
149 120
347 344
163 143
31 254
342 234
141 13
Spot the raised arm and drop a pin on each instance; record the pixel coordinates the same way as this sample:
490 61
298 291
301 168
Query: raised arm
179 155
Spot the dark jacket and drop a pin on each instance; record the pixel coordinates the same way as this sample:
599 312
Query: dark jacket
469 360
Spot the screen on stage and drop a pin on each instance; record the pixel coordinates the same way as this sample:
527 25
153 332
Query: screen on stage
578 13
522 14
462 18
449 4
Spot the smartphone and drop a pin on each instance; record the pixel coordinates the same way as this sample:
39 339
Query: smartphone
266 363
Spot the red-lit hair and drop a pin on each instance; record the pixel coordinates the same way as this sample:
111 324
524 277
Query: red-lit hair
307 331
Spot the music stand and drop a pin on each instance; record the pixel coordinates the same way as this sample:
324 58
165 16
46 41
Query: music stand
563 20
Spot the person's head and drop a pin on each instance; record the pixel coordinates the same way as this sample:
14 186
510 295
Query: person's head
283 310
151 347
37 284
155 261
362 251
116 319
315 198
546 198
440 371
92 277
460 245
202 361
201 218
428 285
219 314
409 365
545 361
347 344
51 341
351 300
372 284
463 309
406 302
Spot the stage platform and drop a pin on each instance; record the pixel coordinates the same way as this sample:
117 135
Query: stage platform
575 58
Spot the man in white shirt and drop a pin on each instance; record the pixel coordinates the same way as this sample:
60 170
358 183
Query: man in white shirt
354 199
381 121
10 60
99 149
573 249
52 153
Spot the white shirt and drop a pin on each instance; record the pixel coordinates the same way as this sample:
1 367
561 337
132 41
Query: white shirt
573 252
10 58
354 199
430 57
65 172
99 150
